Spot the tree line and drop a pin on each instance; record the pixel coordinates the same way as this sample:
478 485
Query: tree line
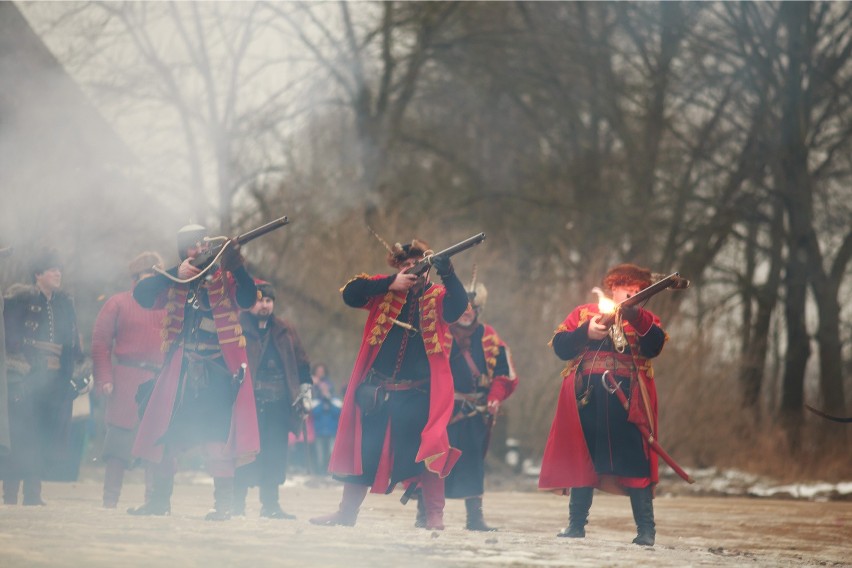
708 138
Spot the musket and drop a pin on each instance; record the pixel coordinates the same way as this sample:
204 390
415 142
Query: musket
840 419
212 255
673 280
646 433
423 266
208 259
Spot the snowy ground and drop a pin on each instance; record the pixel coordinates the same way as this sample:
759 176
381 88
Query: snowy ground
691 531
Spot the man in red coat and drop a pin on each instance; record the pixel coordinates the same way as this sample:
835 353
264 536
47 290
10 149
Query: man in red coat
397 429
125 353
203 397
594 441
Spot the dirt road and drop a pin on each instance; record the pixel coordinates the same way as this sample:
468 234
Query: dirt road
691 531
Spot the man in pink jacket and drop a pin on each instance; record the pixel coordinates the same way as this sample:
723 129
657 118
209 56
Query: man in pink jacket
126 353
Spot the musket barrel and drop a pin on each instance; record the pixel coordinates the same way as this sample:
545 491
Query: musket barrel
462 246
262 230
642 295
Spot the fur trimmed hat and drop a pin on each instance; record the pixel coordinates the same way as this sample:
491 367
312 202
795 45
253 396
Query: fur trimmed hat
398 253
144 263
264 289
627 275
45 259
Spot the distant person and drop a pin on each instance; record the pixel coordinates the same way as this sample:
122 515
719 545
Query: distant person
325 415
594 441
322 384
483 376
5 442
281 373
126 352
397 430
42 349
203 397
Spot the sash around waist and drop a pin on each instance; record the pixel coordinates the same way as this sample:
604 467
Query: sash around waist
596 364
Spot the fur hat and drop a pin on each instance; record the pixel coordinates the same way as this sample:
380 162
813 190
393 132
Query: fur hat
45 259
264 289
144 263
187 236
627 275
478 296
398 254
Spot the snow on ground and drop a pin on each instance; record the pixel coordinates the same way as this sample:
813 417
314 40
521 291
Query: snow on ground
692 530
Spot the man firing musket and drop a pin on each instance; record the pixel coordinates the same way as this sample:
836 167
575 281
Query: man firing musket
393 424
604 434
203 395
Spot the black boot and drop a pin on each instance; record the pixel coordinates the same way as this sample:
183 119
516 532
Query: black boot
158 502
420 519
10 491
32 492
578 512
475 520
269 505
223 496
240 494
642 502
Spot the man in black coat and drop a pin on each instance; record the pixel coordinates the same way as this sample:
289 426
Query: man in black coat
42 348
281 373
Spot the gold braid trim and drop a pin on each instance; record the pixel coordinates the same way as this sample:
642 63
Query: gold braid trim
362 276
389 309
429 312
173 320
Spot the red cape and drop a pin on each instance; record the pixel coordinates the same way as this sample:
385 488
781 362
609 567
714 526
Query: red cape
243 440
566 462
435 451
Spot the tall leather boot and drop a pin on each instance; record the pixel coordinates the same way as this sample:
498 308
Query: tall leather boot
578 512
240 495
11 487
113 479
350 504
420 519
223 496
32 492
159 499
642 502
475 520
433 499
270 508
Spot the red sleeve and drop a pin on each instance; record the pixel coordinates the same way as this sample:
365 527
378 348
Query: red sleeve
501 388
642 321
102 341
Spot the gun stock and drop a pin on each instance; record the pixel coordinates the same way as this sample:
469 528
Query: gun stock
422 267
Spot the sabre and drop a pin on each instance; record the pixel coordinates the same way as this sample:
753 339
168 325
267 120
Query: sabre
646 433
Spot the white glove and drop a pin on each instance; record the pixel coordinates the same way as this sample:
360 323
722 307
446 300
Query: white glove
306 398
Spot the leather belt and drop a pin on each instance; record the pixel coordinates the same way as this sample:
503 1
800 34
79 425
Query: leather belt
404 385
473 397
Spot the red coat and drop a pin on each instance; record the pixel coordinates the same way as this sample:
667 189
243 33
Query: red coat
243 442
126 331
434 451
566 462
